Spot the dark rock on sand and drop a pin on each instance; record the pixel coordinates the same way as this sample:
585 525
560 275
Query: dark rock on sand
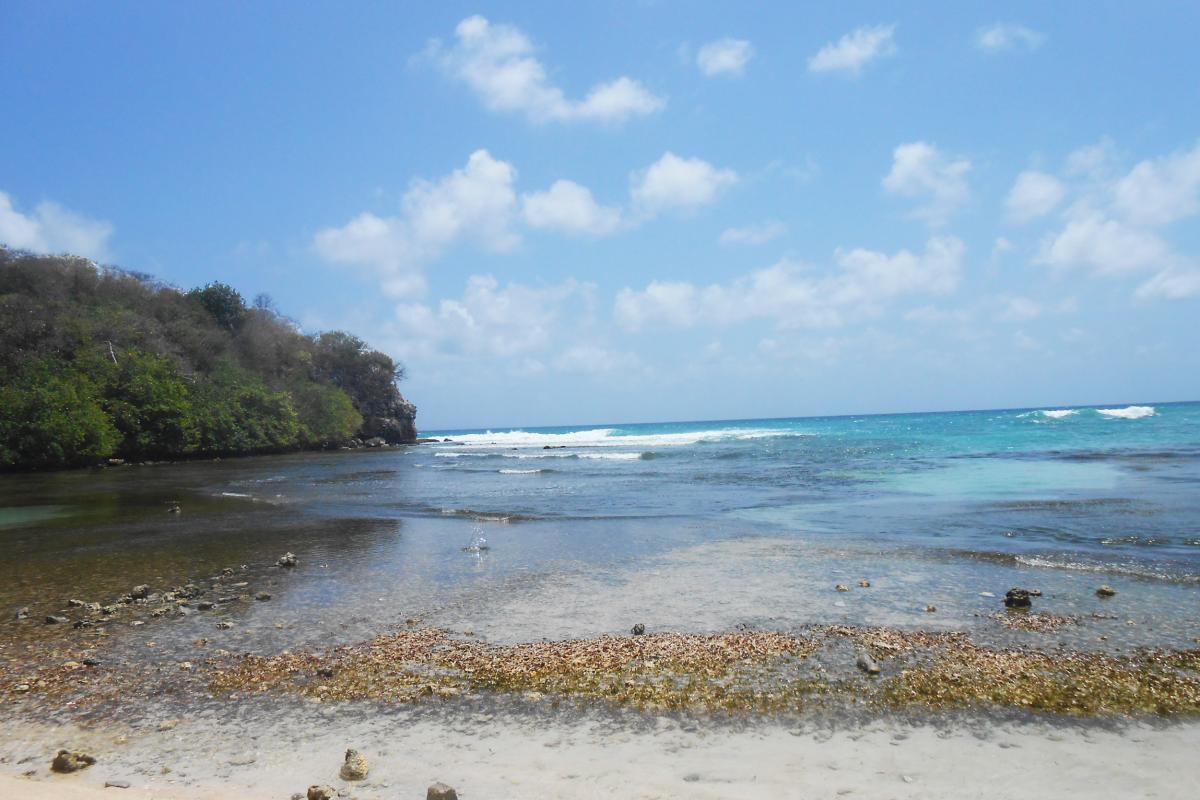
52 619
638 630
117 784
355 768
1017 598
73 603
440 791
67 761
1105 591
868 664
321 793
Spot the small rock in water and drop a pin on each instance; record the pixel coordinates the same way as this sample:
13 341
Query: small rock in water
930 609
67 761
73 603
440 791
224 625
355 767
174 508
205 605
1105 591
638 629
841 587
865 584
1017 598
140 592
478 544
51 619
1035 592
987 594
868 664
288 560
321 793
168 724
22 613
263 596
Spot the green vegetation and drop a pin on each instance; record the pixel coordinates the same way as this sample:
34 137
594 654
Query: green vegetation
98 363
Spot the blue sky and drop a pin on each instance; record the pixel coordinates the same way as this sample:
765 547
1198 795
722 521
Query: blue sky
605 212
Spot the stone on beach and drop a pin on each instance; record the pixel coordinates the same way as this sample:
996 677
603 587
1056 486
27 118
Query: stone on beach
1105 591
868 664
355 767
864 584
140 592
321 793
841 587
52 619
68 761
638 629
1017 598
440 791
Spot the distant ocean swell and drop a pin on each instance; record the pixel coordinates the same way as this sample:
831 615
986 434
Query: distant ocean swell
1128 412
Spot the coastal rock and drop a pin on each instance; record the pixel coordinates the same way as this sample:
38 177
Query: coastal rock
73 603
52 619
140 592
864 584
1105 591
868 664
117 784
68 761
1017 598
287 560
638 629
263 596
841 587
355 767
224 625
930 609
205 605
22 613
174 508
321 793
440 791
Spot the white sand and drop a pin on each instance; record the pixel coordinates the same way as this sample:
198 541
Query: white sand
496 757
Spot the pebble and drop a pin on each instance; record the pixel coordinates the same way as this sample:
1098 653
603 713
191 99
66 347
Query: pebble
355 768
264 596
321 793
868 664
841 587
51 619
223 625
287 560
117 784
68 761
636 630
440 791
1105 591
865 584
930 609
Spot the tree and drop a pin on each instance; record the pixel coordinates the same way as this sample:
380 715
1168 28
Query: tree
223 302
149 403
52 417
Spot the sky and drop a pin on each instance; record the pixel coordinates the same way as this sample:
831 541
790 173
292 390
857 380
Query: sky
581 213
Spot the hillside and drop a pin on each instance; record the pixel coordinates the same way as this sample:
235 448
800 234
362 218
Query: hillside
99 363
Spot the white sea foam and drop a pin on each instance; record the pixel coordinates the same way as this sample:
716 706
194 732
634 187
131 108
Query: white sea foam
521 471
600 437
1129 412
1052 413
611 456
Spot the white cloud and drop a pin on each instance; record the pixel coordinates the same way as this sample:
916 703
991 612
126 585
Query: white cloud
854 50
1002 37
791 296
476 202
593 359
52 229
489 320
1019 309
678 183
1162 190
497 62
760 233
1173 283
920 170
1091 160
566 206
1035 194
724 57
1107 246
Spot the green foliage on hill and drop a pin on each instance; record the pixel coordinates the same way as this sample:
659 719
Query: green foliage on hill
98 363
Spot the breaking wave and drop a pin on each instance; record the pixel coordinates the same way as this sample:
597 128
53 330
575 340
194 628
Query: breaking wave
1129 412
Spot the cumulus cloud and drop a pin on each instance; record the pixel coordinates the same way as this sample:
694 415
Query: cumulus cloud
791 296
1034 195
477 202
497 61
489 319
1108 246
920 170
1160 191
1173 283
724 57
568 207
678 183
52 229
855 50
760 233
1003 37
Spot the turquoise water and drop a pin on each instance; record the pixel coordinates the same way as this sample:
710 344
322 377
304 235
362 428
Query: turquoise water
1105 488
